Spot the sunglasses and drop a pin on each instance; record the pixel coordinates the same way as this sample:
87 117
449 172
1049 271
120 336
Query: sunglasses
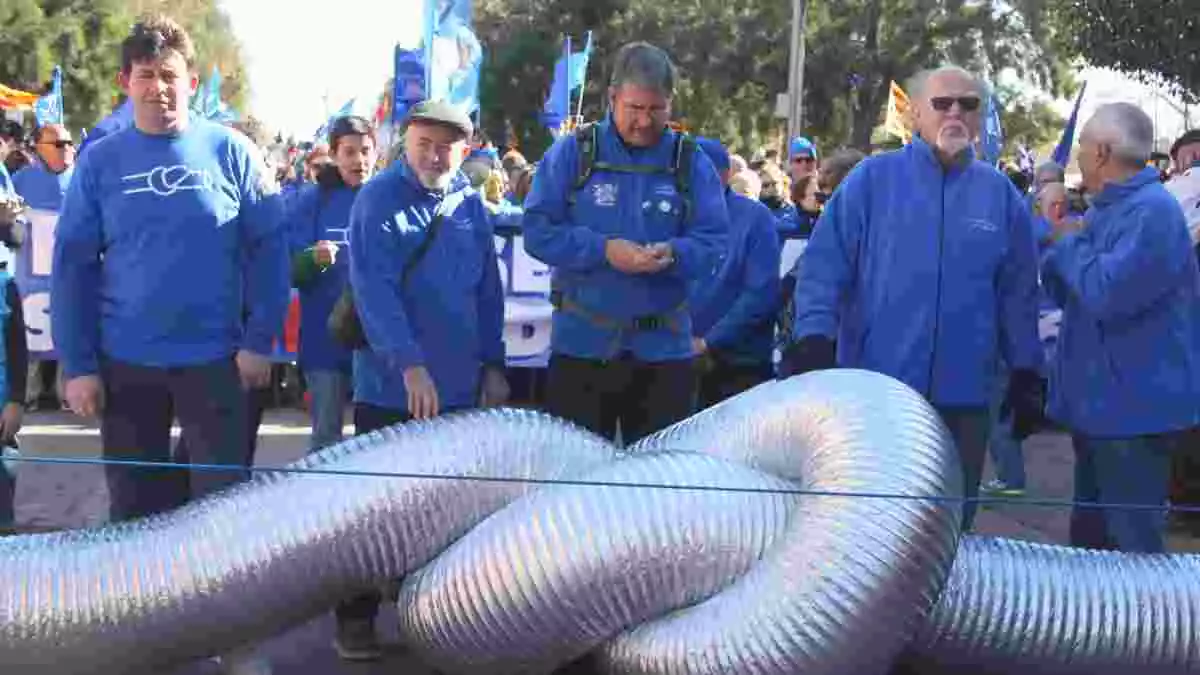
821 197
60 144
965 103
805 160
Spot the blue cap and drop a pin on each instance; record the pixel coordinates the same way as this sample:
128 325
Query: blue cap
716 153
802 147
485 153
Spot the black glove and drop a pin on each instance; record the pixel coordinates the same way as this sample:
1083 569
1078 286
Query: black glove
1025 401
814 352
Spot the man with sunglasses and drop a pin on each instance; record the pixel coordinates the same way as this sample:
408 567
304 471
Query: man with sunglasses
803 160
42 185
924 269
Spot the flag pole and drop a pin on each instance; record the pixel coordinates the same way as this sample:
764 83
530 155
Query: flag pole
587 49
567 56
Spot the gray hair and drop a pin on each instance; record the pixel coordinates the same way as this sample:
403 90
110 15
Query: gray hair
1126 128
918 82
641 64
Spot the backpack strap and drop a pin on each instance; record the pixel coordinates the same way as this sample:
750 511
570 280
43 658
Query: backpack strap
681 167
422 248
586 141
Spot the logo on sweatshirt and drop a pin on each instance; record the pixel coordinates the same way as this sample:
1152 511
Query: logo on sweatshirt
982 225
605 194
165 181
403 226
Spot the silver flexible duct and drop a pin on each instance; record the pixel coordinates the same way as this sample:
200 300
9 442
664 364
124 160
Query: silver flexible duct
248 563
671 580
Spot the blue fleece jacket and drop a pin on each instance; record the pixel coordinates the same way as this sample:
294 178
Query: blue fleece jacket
169 252
449 317
639 207
925 274
1128 353
317 214
734 308
41 188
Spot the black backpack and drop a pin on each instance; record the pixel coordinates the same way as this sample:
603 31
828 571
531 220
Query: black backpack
587 139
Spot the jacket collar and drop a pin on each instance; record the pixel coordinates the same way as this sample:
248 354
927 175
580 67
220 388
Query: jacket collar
925 152
1117 192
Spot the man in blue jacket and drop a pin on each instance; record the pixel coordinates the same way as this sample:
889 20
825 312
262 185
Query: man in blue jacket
319 223
923 268
733 309
627 212
43 185
1126 375
426 285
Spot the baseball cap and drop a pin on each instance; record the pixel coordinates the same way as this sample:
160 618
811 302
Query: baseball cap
716 152
440 112
802 147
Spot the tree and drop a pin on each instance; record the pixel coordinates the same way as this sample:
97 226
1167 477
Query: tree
1156 40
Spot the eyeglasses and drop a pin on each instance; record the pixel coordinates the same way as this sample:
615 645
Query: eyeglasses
804 159
60 144
965 103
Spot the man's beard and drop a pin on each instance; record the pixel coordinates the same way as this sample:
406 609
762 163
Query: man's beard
953 140
439 182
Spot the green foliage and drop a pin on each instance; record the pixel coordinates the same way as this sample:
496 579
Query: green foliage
84 37
733 57
1156 40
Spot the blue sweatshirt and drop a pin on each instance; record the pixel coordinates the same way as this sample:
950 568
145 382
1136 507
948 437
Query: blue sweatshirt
449 317
925 274
639 207
734 309
1128 353
169 252
317 214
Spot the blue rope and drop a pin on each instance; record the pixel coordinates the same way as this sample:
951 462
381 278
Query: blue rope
937 499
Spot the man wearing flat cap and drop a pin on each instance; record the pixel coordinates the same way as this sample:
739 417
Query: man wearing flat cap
426 287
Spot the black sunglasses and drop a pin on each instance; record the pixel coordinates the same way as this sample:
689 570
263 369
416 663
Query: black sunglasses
60 144
821 197
965 103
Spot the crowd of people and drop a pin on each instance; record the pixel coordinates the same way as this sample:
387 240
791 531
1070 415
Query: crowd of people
177 246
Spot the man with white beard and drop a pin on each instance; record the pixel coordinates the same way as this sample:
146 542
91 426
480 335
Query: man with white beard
924 268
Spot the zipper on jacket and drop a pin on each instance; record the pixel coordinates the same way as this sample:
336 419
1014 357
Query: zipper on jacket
937 306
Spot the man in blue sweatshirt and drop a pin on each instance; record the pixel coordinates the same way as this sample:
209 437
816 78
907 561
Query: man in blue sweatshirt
43 185
319 223
923 268
628 213
170 234
733 309
1126 374
426 286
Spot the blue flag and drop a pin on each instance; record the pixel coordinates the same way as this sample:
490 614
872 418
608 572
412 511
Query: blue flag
1062 152
570 73
453 54
993 132
49 108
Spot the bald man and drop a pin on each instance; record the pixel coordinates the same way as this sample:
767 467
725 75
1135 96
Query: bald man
924 269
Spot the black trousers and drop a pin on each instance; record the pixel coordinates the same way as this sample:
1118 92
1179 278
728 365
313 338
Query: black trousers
139 405
719 379
368 418
642 397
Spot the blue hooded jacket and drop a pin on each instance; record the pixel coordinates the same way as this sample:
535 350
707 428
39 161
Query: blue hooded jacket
734 309
925 274
639 207
449 317
318 214
1127 361
170 251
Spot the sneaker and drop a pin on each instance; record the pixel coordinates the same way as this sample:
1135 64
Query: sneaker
243 662
356 641
998 488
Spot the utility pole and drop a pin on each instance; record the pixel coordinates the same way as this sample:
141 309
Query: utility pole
796 70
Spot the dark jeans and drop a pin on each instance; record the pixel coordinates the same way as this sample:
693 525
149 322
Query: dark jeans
1123 471
970 428
368 418
643 397
140 403
1185 480
721 379
8 489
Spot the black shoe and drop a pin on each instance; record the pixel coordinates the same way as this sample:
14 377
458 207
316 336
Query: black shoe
356 641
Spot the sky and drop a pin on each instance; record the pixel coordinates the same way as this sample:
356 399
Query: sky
299 53
295 87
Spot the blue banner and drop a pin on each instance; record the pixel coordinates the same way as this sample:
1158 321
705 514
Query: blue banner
570 73
453 54
993 132
49 108
1062 152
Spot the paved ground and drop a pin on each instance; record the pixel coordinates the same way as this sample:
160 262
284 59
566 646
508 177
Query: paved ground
74 496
